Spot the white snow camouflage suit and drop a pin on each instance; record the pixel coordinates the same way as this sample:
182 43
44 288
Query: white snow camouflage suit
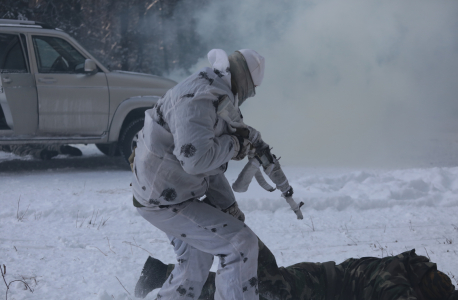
182 153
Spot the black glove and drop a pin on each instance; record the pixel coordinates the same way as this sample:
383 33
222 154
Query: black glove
248 132
244 145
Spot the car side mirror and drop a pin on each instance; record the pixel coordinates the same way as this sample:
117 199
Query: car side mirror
89 66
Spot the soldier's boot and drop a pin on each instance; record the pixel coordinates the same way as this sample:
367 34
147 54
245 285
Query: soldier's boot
46 154
69 150
153 276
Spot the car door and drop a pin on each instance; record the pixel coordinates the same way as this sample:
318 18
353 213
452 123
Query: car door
18 94
71 102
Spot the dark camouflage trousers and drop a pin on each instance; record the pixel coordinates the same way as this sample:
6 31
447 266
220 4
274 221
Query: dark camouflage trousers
389 278
30 149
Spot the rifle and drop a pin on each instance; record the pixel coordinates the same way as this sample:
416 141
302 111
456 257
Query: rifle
261 157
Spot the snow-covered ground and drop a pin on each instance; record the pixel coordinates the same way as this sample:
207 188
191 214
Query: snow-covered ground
68 227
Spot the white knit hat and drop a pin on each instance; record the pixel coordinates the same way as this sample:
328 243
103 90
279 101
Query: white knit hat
255 63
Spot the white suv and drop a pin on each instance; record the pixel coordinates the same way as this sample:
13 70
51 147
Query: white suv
53 91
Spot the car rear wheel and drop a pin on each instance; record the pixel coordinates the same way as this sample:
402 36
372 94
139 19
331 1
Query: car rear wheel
129 137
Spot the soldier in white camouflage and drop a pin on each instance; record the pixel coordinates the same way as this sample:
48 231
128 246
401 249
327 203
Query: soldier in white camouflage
41 151
406 276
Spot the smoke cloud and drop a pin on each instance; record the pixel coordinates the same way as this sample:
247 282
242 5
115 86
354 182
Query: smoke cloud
348 83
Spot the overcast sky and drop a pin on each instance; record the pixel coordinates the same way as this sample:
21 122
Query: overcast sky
359 83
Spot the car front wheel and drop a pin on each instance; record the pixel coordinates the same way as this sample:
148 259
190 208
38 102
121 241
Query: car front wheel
129 137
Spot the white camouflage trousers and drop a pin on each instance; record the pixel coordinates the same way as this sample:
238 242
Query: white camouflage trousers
199 232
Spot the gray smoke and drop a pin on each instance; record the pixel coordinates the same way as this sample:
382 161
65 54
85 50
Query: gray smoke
359 83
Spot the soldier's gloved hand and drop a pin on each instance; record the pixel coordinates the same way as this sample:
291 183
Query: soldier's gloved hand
254 136
244 145
243 132
249 133
235 211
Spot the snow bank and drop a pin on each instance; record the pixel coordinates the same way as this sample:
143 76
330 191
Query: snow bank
79 236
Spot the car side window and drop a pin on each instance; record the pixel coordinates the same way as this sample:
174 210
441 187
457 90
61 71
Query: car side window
55 55
11 55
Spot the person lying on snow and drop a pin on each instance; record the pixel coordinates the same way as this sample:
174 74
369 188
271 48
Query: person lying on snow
406 276
41 151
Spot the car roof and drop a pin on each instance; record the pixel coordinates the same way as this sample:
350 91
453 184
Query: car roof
32 27
24 23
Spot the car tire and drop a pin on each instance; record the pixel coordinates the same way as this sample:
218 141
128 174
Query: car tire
129 136
105 149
